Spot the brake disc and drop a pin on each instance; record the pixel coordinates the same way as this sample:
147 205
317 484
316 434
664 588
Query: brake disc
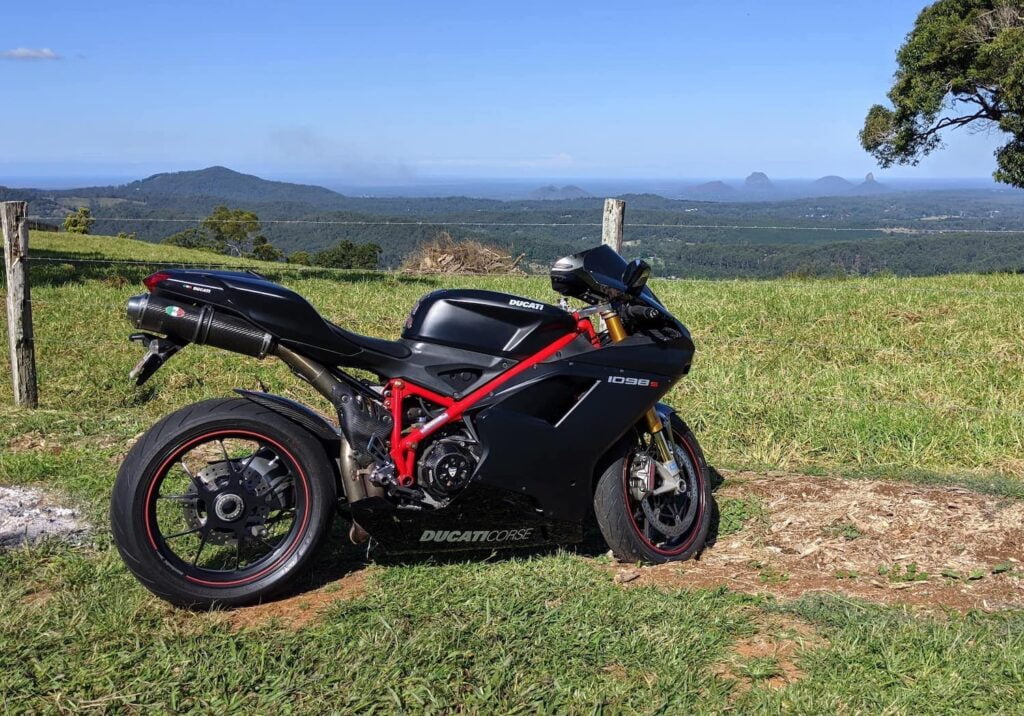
212 476
681 520
258 480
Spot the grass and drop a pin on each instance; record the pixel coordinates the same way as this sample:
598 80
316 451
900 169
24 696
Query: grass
914 379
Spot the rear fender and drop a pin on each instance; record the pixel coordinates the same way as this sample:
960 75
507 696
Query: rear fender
297 413
323 429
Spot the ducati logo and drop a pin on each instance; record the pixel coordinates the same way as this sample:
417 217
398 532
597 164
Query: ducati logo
476 535
638 382
533 305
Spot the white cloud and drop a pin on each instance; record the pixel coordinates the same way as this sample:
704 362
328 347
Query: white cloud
28 53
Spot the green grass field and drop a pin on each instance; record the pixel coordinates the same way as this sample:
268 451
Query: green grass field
907 379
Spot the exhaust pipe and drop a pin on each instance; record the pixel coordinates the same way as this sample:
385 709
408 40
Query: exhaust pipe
202 325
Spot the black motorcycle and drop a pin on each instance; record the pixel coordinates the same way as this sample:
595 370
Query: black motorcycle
496 421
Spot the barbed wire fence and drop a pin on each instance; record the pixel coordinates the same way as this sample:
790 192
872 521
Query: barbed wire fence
614 238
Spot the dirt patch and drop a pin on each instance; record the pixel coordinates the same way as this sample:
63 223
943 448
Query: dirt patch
298 611
28 515
879 541
34 441
769 657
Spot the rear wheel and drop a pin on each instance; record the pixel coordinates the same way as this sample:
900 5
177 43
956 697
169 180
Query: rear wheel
221 504
642 526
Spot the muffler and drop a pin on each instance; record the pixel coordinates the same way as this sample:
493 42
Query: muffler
202 325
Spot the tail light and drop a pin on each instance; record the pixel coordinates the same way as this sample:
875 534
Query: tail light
154 279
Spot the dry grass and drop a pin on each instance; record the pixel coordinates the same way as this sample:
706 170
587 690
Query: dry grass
445 255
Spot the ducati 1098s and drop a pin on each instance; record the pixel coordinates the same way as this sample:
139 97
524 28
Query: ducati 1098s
494 421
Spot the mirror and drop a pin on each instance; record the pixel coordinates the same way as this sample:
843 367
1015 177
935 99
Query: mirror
635 276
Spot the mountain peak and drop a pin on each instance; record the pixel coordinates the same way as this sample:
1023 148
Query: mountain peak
552 192
758 181
231 185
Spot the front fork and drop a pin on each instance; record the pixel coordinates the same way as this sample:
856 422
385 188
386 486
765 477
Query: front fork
667 467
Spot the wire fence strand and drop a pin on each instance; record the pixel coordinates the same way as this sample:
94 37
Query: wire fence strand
901 230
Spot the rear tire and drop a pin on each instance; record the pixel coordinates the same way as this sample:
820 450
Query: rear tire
615 508
303 477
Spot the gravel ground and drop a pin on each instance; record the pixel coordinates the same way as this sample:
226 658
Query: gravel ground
28 515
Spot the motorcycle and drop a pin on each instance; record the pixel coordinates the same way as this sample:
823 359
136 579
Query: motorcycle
495 421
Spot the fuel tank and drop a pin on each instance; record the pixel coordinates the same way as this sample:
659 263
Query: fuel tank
488 322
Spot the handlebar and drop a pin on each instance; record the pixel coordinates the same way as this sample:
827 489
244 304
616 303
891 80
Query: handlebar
643 314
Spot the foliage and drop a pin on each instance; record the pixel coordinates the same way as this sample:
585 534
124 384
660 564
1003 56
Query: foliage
346 255
125 235
263 250
79 221
234 231
192 238
961 65
302 258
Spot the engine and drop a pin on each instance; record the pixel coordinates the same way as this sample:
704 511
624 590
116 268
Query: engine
448 463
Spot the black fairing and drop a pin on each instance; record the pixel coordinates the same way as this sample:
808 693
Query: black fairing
487 322
543 435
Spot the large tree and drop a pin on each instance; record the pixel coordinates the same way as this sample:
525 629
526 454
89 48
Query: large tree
233 230
962 65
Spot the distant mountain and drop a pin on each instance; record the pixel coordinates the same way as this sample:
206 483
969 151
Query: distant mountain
228 184
712 190
870 186
758 182
831 185
552 192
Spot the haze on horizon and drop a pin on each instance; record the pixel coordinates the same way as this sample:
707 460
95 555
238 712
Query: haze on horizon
396 93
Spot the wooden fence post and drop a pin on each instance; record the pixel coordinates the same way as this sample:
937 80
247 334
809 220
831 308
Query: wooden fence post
611 225
13 218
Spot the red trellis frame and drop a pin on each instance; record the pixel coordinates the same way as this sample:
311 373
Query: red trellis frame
403 448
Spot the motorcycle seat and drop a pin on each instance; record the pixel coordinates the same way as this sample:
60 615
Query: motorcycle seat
394 349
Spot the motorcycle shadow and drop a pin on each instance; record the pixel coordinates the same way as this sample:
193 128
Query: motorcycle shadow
338 557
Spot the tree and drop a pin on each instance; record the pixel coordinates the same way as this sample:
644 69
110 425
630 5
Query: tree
263 250
347 255
303 258
79 222
193 238
961 65
233 230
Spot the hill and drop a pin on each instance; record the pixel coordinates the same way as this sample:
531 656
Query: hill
870 186
226 184
831 185
711 191
554 193
841 377
758 183
719 232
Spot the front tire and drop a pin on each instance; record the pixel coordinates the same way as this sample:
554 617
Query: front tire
222 504
623 520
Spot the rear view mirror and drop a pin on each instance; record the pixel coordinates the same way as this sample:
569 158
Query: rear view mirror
635 276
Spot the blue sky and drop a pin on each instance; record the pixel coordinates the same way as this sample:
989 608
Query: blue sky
389 92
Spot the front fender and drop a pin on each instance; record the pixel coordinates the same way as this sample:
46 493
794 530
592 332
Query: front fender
296 412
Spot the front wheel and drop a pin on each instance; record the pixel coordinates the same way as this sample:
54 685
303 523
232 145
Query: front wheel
221 504
642 526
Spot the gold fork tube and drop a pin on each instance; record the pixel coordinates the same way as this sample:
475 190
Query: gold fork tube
617 332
